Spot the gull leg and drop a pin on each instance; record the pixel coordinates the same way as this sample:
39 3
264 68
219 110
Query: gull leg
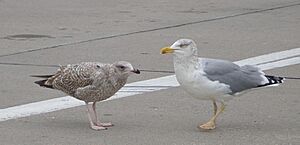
215 107
107 124
211 124
92 119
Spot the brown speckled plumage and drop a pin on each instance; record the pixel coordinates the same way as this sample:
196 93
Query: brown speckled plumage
89 81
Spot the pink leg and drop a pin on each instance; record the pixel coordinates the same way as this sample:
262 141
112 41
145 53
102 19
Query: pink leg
91 119
108 124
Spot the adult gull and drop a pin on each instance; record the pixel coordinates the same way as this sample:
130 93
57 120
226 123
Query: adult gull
214 79
90 82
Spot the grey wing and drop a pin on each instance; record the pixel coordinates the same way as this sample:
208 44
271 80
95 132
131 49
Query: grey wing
75 76
238 78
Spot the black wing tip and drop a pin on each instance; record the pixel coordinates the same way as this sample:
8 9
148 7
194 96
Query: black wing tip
41 76
42 84
273 80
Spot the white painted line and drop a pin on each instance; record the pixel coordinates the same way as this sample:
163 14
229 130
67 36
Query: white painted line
277 59
69 102
39 107
281 63
270 57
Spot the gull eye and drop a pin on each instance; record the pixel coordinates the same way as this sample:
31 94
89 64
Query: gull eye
121 67
182 45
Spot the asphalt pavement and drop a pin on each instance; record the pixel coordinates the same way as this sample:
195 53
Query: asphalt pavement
36 35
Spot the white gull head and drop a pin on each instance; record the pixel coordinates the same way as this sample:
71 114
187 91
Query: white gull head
181 48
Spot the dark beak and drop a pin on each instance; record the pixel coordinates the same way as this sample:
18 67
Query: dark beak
136 71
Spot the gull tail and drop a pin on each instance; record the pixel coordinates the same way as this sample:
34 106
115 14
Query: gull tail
275 80
44 82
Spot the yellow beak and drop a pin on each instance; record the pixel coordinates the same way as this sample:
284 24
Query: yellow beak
166 50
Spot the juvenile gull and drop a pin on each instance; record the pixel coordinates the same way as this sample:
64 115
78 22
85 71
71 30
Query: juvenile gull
213 79
90 82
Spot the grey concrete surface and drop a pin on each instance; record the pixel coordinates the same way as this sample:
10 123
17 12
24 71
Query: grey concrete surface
61 32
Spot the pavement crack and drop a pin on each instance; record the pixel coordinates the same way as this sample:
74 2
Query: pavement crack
57 66
155 29
27 64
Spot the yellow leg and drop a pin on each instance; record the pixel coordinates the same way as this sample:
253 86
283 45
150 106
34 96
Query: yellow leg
211 124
